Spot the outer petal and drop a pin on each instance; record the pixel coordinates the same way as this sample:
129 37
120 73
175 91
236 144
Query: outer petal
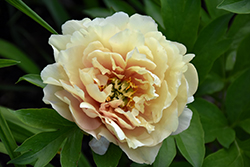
192 79
61 107
142 154
58 42
184 121
143 23
120 19
52 73
74 25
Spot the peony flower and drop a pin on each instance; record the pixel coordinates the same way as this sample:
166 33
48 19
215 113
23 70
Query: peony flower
121 81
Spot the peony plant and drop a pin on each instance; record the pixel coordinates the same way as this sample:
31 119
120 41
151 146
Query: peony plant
125 83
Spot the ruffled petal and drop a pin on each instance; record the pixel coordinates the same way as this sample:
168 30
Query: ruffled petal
142 23
61 107
125 41
74 25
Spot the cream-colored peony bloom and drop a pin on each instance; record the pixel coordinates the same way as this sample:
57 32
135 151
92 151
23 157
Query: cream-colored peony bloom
121 81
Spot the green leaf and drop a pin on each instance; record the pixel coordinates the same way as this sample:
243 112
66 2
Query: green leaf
83 162
71 150
120 6
212 83
7 62
10 51
226 136
218 128
245 124
41 148
181 20
191 141
110 158
98 12
57 11
20 5
20 134
213 11
154 11
237 99
180 164
13 119
35 79
242 57
42 118
3 149
166 154
239 30
7 137
235 6
232 157
210 45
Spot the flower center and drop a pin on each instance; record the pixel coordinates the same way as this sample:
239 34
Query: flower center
122 90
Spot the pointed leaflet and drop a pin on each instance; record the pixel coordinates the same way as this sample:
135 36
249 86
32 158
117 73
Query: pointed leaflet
219 127
232 157
239 29
44 118
110 158
8 50
166 154
213 11
41 148
181 20
242 57
71 150
236 6
191 141
7 62
210 45
35 79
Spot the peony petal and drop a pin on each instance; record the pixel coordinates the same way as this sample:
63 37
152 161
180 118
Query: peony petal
156 107
167 124
125 41
61 107
181 97
80 118
143 23
192 79
120 19
99 146
181 47
160 57
184 121
74 25
141 155
52 73
134 58
70 60
58 43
